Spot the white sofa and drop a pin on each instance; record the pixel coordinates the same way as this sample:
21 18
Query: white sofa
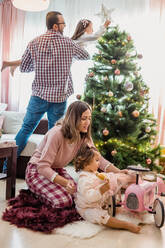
11 125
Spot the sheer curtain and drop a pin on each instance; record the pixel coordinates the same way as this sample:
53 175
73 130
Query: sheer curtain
143 19
12 27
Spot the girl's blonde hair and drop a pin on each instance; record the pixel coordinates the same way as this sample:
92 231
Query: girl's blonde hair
84 156
72 120
80 28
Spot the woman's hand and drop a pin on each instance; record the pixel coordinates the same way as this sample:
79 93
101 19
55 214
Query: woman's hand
71 187
125 171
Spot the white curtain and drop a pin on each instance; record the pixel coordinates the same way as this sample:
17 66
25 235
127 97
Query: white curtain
136 17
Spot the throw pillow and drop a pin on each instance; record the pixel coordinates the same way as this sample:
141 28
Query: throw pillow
12 121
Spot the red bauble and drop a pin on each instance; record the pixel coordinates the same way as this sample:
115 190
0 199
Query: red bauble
78 97
129 38
105 132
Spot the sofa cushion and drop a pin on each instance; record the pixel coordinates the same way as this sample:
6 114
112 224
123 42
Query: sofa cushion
12 121
2 117
33 142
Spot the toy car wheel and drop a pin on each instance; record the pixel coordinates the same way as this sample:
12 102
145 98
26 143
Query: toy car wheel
112 206
158 208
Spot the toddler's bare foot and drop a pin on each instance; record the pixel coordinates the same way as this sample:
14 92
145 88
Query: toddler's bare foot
4 65
134 228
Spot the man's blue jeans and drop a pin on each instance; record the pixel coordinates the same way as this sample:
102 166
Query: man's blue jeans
37 107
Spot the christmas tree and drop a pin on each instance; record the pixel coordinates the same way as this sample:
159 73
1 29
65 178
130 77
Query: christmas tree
122 128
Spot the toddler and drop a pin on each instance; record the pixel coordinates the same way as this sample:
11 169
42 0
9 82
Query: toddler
91 189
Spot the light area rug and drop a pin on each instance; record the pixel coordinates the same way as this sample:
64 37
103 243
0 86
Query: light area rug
80 229
85 229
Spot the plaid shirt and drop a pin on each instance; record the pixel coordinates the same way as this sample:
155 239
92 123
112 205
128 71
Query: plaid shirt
50 56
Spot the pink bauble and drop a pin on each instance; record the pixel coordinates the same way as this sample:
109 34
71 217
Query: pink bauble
129 38
148 161
113 153
117 72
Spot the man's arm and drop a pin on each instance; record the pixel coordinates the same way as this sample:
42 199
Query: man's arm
26 61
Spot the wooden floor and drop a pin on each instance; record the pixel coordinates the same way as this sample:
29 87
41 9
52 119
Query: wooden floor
13 237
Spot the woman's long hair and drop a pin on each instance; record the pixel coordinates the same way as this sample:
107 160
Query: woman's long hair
80 28
71 122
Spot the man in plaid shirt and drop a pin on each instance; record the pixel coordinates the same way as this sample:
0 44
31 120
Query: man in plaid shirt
50 55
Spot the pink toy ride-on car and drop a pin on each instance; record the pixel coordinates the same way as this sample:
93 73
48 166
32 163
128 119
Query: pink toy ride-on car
144 196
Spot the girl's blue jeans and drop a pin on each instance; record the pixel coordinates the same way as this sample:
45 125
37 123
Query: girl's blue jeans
37 107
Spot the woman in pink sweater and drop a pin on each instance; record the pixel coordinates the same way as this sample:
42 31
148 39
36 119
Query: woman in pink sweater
45 173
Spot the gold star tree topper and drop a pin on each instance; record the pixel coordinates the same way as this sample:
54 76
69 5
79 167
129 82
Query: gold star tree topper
105 14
